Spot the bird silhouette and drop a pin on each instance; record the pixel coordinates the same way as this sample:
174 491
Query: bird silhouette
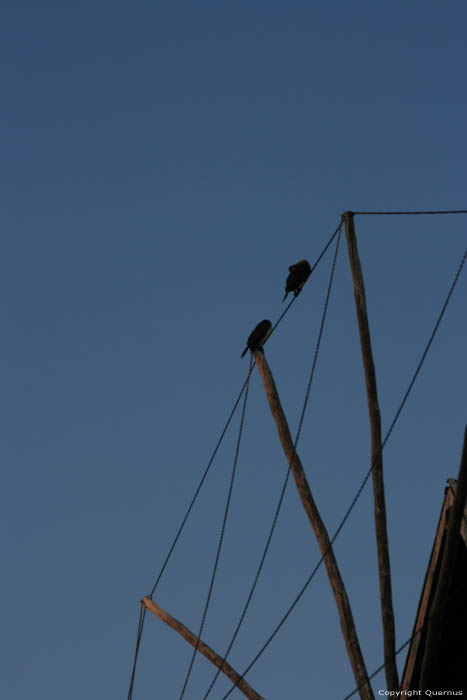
298 275
258 336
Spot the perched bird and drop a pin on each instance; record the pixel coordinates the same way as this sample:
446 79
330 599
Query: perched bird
298 275
258 336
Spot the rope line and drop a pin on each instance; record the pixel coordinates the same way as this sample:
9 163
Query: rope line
142 615
359 491
203 478
180 529
409 213
408 641
315 265
185 518
282 494
380 668
221 536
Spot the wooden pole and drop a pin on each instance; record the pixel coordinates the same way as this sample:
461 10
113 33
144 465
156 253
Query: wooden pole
335 579
384 566
204 649
438 607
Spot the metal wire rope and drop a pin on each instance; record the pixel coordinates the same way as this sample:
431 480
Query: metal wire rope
203 478
408 213
142 615
315 265
458 589
221 536
282 494
179 532
362 486
237 401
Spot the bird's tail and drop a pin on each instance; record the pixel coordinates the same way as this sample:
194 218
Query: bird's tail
285 296
244 352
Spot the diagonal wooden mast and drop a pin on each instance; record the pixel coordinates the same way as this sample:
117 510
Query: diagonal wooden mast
343 605
203 648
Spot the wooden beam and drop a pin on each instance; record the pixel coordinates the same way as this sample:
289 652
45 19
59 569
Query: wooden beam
384 566
343 605
418 633
436 618
203 648
463 531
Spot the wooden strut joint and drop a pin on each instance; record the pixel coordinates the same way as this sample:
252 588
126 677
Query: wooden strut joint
343 605
438 607
203 648
384 566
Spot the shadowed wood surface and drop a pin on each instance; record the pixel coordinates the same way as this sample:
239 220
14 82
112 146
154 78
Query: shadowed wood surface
438 608
422 612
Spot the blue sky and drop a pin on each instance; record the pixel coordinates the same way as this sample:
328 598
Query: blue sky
162 166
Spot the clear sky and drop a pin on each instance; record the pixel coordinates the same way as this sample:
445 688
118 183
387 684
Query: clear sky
162 166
